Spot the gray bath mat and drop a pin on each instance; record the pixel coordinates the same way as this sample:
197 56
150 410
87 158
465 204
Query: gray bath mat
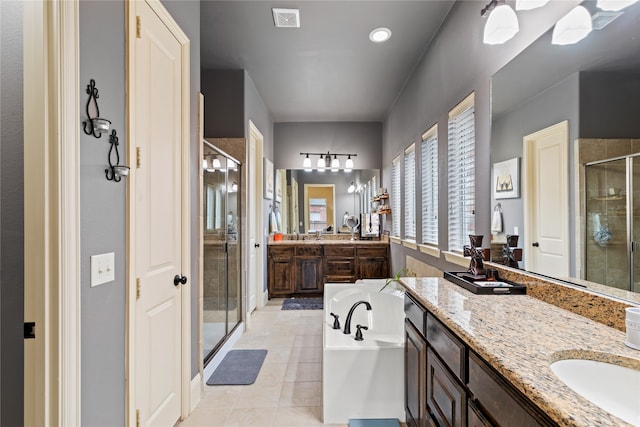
302 304
239 367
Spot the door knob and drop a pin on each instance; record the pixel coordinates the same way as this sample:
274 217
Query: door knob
535 244
256 245
179 280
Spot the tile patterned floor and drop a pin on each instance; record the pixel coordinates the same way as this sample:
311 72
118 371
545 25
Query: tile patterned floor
288 390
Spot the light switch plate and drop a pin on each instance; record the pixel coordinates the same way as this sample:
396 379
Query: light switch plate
102 269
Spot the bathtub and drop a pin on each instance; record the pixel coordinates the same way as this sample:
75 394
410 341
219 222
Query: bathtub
363 379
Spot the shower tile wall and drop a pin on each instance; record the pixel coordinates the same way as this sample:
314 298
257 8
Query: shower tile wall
215 276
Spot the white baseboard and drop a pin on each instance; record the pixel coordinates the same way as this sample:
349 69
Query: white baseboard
196 392
228 345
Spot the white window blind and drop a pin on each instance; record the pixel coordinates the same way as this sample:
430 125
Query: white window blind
461 161
429 159
410 192
395 197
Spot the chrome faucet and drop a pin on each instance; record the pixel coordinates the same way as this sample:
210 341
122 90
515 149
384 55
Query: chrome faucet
347 323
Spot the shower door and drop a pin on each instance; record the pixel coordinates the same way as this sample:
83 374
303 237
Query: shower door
221 251
611 225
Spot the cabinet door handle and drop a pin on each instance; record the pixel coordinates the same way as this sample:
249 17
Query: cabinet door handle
535 244
256 245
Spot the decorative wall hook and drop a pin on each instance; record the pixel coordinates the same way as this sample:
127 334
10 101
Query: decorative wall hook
117 171
94 125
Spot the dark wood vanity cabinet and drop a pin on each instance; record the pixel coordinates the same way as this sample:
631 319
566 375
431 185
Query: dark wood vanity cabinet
305 268
448 385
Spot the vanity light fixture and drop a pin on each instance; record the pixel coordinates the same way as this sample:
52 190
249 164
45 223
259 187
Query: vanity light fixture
335 164
380 35
530 4
502 22
572 27
94 125
215 164
614 5
348 165
328 161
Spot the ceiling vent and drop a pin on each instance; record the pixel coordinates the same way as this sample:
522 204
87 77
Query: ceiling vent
286 18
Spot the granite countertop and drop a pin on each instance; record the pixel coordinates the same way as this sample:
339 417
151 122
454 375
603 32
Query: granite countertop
520 336
328 241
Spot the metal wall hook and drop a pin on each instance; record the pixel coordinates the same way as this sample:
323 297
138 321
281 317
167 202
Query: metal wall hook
95 125
117 171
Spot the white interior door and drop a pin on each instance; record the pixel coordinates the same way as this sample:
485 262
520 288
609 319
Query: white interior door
546 200
254 216
158 221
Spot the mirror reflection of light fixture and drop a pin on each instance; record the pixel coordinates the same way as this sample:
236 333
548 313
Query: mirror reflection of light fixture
502 23
117 171
234 187
215 164
348 165
335 164
205 164
572 27
530 4
614 5
351 188
94 125
231 165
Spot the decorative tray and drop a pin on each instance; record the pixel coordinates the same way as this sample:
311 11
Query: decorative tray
479 284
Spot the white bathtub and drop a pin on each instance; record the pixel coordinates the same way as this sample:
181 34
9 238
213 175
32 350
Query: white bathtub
363 379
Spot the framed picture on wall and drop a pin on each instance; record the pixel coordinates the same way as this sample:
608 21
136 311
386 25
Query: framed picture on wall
506 179
268 179
278 186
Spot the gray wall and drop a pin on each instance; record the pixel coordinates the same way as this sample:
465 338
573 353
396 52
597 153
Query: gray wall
11 215
456 64
102 217
224 103
609 105
362 138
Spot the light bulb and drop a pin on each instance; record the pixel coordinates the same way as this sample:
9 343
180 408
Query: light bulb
216 163
530 4
204 164
306 163
572 27
614 5
320 164
501 26
335 164
348 165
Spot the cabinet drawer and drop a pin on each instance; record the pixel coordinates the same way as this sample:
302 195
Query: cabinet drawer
282 251
340 266
448 347
309 251
348 251
446 398
339 279
499 399
415 313
376 251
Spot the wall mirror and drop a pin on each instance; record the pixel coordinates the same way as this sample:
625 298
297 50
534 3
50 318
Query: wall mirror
594 85
347 201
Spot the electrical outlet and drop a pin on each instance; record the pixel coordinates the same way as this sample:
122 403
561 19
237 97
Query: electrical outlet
102 269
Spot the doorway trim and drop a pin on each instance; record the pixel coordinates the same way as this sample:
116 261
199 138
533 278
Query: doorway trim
52 387
185 386
256 206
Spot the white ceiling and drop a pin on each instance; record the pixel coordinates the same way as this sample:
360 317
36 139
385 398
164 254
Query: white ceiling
326 70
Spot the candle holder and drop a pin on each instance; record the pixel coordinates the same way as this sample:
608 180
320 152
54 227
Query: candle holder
94 125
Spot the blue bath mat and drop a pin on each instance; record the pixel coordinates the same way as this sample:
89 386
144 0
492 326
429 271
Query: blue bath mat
302 304
239 367
379 422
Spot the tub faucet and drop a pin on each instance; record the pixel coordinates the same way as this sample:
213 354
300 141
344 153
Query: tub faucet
347 323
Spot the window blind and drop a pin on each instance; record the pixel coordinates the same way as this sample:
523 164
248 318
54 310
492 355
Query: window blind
461 162
395 197
410 192
429 160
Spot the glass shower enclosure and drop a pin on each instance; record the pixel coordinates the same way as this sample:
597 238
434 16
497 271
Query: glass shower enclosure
221 248
613 222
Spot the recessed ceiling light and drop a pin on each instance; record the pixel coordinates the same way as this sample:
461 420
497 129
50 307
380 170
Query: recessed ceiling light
380 35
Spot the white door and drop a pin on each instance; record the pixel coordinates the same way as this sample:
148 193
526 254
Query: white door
254 215
546 200
159 240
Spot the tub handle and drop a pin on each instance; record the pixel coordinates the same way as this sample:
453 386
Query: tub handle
359 332
336 322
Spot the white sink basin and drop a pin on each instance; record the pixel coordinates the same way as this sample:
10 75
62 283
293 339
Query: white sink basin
614 388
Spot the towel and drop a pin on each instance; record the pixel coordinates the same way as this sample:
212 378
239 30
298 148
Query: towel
496 223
